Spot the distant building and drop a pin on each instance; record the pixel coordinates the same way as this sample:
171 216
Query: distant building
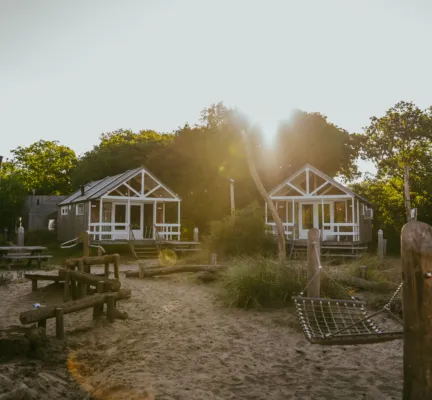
40 212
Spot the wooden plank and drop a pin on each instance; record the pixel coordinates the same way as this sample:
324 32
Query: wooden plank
84 277
416 253
44 313
44 257
313 261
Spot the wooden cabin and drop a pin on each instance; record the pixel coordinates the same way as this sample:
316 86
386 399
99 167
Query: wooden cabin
132 206
311 199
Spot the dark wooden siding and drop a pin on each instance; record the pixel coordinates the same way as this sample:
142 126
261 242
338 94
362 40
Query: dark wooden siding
71 225
365 226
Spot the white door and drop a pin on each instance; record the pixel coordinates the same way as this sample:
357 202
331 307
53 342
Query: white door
121 230
136 221
308 218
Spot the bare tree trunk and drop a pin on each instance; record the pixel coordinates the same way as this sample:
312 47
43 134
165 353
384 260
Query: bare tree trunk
407 196
266 197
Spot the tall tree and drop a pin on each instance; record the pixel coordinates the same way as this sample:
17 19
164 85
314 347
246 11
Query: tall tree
311 138
400 144
44 166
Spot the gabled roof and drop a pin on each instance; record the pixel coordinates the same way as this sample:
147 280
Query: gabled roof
324 177
96 189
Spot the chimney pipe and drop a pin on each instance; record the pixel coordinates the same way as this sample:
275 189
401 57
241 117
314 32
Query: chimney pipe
82 190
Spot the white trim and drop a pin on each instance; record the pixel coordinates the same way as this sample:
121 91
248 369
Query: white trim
307 181
131 188
296 188
316 198
148 200
79 209
64 210
153 190
320 187
142 182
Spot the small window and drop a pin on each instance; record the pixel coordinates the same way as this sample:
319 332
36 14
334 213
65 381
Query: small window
368 213
37 202
64 210
80 209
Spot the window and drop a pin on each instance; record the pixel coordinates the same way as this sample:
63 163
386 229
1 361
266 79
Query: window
369 213
339 212
64 210
80 209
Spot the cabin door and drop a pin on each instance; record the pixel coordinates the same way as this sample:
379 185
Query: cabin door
148 231
308 218
136 221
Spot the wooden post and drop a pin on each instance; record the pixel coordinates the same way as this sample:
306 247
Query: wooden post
59 323
380 244
363 271
196 235
98 308
34 285
116 267
232 196
42 324
213 259
106 269
313 261
110 307
416 252
79 285
141 271
66 294
407 195
86 243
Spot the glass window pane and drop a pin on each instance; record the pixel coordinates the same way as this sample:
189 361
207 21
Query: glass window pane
307 216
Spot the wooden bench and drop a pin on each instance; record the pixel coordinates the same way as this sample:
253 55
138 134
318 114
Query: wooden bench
38 277
13 257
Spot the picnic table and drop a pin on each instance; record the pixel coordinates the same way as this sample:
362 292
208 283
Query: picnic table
9 254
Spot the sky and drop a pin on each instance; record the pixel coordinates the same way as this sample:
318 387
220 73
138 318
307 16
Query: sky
71 70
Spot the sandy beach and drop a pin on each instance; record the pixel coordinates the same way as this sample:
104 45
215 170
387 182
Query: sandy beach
181 343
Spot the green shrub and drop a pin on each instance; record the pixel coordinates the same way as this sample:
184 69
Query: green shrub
259 281
5 278
243 233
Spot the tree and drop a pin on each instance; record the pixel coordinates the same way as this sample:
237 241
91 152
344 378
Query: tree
400 143
310 138
117 152
12 196
44 166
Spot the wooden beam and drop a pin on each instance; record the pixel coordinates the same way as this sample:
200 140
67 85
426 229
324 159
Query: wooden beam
149 272
296 188
313 261
99 260
131 188
85 278
320 187
416 252
44 313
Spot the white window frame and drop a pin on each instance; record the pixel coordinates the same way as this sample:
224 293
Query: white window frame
79 209
369 214
64 210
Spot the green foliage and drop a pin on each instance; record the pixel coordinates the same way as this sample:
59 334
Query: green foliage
310 138
259 281
241 233
40 238
12 197
45 167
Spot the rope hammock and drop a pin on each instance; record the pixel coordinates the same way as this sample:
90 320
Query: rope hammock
342 322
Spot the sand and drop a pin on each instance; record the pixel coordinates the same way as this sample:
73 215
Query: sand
181 343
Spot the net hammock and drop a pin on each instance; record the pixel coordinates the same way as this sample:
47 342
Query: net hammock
342 322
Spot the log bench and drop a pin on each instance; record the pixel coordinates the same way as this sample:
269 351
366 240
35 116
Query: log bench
37 277
97 301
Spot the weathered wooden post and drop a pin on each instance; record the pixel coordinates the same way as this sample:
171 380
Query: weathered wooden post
232 196
313 262
380 244
98 308
110 300
213 259
106 269
116 266
416 252
86 243
196 235
66 295
59 323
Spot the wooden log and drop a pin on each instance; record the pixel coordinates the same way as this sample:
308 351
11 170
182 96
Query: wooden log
98 308
110 307
117 267
34 285
29 317
416 252
109 258
106 270
313 262
80 288
59 323
66 292
92 280
41 323
147 272
42 277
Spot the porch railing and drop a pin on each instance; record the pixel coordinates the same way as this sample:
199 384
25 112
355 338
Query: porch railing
289 229
121 231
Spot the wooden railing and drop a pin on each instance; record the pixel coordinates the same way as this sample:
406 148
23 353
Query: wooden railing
168 231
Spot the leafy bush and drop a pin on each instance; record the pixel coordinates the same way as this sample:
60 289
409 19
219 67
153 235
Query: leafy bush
243 233
258 281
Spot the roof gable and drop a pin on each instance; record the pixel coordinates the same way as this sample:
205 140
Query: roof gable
137 183
309 181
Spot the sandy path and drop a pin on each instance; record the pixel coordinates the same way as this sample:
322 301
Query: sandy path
179 343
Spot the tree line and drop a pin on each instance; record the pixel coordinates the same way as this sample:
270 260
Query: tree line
198 161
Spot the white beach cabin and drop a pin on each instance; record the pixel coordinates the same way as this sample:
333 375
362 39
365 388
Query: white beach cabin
311 199
130 206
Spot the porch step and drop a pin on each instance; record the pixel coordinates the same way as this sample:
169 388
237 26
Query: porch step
145 252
